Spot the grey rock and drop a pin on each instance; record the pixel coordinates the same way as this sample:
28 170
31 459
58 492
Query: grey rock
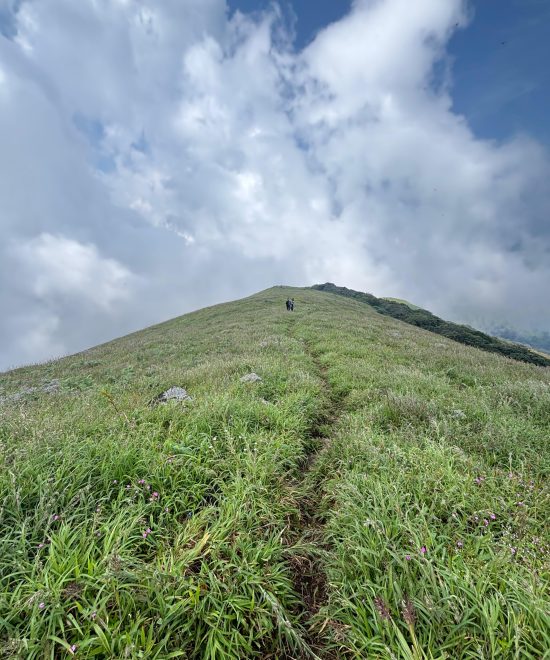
10 398
52 386
174 394
49 387
458 414
17 396
251 378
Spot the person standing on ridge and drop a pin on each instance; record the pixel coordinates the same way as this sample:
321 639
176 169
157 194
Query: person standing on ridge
288 304
292 304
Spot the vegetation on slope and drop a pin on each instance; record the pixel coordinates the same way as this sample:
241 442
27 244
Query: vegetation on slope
423 319
402 302
137 531
540 340
434 494
378 494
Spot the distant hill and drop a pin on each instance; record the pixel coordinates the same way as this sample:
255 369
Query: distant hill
402 302
540 340
422 318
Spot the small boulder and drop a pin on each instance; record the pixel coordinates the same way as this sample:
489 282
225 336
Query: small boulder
458 414
52 386
251 378
18 396
173 394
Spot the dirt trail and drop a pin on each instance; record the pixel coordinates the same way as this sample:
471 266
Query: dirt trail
309 577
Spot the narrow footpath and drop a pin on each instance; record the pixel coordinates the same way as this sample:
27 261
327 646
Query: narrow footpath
310 581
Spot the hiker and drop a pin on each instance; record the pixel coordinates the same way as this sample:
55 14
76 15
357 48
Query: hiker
288 304
292 304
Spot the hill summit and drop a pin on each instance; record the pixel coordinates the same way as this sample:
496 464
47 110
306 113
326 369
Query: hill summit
244 481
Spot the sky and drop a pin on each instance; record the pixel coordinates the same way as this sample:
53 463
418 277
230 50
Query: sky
158 156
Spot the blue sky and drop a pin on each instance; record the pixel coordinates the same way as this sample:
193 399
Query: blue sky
501 75
157 156
309 16
501 78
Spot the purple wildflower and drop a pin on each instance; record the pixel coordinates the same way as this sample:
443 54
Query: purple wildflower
423 550
459 544
409 613
41 605
408 557
382 608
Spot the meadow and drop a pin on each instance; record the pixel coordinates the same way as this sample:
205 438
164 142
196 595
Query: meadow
381 493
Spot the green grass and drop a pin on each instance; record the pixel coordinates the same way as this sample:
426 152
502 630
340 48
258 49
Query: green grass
422 318
425 441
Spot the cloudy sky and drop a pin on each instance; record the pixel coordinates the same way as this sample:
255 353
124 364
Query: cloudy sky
157 156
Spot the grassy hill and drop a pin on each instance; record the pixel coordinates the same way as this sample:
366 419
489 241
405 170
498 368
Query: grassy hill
422 318
380 493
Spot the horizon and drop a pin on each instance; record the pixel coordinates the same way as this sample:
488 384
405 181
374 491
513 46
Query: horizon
543 348
162 157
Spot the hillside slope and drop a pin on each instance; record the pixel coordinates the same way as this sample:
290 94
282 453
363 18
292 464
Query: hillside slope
422 318
379 493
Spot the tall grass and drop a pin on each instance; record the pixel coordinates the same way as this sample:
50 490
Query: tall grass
130 529
435 492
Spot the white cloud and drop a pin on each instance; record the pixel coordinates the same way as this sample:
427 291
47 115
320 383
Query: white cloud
59 266
158 157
